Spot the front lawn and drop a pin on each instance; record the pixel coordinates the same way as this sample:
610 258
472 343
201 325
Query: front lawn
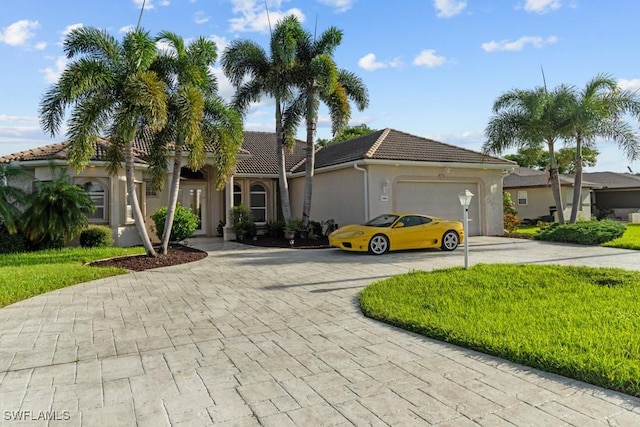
579 322
25 275
629 240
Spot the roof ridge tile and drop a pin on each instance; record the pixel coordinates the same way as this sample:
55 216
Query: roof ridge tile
372 151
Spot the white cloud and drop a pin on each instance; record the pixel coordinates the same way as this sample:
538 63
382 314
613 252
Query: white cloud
126 29
18 33
517 45
225 88
28 119
429 59
254 17
339 5
633 84
449 8
221 43
67 30
541 6
40 45
370 63
148 4
52 74
201 17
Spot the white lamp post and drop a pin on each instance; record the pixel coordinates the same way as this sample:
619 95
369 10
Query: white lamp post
465 200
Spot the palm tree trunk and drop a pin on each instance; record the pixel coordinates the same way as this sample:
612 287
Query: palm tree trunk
282 171
174 190
577 183
133 196
555 183
309 164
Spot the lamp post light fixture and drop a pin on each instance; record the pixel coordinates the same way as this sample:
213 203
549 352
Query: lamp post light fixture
465 200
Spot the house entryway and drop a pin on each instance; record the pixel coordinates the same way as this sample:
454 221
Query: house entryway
194 196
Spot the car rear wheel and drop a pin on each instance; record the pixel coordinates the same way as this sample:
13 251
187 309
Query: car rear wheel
378 244
450 241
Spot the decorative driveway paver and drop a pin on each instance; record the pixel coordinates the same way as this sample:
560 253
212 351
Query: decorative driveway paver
253 336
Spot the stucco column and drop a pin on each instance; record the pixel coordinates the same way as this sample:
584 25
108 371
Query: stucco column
228 233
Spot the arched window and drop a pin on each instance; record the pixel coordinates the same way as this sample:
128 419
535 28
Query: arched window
258 199
98 196
237 195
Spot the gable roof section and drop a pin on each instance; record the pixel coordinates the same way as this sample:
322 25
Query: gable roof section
393 145
262 146
614 179
526 177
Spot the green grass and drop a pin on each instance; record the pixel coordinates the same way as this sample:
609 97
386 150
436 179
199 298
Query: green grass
527 229
579 322
25 275
629 240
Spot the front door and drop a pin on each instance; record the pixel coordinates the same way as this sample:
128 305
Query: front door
193 196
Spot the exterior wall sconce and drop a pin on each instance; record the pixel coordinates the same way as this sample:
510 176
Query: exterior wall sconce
386 184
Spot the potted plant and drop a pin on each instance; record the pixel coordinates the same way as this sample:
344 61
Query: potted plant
292 227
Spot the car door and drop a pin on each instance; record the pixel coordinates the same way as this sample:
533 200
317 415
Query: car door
408 233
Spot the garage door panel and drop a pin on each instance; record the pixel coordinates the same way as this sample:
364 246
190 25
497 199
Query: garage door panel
438 199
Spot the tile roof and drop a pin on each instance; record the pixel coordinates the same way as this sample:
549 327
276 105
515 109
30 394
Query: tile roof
391 144
385 144
614 179
526 177
262 146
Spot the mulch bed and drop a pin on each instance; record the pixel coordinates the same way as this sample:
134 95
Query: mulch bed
178 254
298 243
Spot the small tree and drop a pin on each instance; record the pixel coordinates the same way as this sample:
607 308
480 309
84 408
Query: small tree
511 221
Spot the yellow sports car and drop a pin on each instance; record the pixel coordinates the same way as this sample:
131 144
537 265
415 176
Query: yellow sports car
397 231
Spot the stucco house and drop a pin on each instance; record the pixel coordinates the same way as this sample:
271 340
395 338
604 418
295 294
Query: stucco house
530 190
355 180
618 194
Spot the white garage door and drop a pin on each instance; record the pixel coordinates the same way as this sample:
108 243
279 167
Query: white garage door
439 199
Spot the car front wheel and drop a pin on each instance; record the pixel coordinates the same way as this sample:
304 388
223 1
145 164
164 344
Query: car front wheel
450 241
378 244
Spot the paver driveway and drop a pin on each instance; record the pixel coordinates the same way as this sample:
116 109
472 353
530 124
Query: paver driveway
253 336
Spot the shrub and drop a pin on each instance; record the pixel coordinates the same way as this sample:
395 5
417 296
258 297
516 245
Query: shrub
242 222
508 207
584 233
511 222
275 228
12 242
185 223
96 236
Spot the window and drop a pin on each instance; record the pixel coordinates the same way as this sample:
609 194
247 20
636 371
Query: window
258 200
149 191
98 196
410 221
129 207
522 198
237 195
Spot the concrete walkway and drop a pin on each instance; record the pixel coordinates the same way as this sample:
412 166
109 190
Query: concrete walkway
252 336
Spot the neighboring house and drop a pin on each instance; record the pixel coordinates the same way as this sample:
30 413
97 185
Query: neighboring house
618 195
530 190
355 180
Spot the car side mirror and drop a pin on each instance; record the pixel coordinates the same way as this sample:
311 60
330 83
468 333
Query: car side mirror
399 225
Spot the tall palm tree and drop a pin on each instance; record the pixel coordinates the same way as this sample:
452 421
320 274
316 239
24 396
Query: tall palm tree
597 111
321 80
255 73
11 198
530 119
110 88
196 115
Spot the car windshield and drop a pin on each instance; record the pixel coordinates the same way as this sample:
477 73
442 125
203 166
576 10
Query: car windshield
382 221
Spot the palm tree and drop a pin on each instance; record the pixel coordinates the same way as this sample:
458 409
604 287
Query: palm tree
254 73
195 115
57 210
321 80
111 89
530 119
597 111
11 198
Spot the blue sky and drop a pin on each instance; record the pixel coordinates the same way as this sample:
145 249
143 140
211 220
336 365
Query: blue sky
433 67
